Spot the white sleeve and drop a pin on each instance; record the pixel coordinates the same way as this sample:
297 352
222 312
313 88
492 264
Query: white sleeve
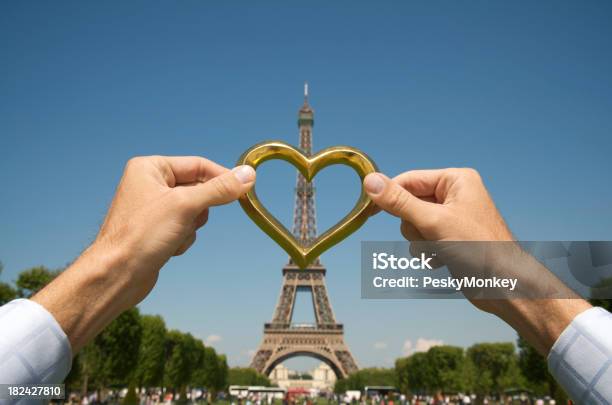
33 347
581 358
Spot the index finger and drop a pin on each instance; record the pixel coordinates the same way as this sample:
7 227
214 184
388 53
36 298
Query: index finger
421 183
193 169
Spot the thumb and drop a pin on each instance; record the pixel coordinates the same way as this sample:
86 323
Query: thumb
225 187
393 198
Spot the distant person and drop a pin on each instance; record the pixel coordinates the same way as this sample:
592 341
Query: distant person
161 202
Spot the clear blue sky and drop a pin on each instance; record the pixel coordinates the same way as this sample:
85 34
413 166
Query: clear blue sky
520 90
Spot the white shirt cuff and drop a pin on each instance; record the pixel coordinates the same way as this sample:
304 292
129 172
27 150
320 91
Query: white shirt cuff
581 358
33 347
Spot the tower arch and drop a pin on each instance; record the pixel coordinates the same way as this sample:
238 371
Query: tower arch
318 355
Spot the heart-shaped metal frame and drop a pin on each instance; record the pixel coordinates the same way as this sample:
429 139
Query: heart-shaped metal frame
309 166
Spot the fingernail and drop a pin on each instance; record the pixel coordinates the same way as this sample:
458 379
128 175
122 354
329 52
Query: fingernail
244 174
374 183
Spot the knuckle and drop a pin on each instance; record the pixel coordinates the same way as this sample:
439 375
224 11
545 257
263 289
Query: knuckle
471 172
397 200
454 172
183 201
465 175
136 161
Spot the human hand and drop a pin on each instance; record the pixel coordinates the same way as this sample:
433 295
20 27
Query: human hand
444 208
453 205
158 207
439 205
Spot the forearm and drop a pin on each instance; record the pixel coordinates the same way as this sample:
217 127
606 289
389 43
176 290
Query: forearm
540 321
88 295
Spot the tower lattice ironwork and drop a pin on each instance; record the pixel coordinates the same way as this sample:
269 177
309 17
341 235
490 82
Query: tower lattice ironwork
324 339
305 214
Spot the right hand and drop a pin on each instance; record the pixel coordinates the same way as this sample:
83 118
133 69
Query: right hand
454 205
439 205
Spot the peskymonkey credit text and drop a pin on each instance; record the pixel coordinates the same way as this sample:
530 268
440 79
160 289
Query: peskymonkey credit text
384 263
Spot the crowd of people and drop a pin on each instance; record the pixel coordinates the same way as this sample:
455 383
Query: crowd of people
202 397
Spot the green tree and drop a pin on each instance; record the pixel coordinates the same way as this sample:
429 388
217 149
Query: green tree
367 376
197 357
414 374
74 379
211 369
533 366
7 292
222 373
603 302
112 356
150 368
179 359
469 376
496 367
340 386
446 364
247 376
440 368
30 281
119 345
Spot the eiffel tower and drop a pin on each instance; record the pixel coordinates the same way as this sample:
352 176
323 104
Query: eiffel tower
323 340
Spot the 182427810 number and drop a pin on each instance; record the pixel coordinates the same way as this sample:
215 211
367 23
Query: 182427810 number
50 391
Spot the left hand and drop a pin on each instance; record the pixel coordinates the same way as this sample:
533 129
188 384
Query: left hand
159 205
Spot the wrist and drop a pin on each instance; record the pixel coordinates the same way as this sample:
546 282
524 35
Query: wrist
542 321
536 315
89 294
106 272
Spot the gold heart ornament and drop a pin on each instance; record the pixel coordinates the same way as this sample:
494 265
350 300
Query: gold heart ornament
309 166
